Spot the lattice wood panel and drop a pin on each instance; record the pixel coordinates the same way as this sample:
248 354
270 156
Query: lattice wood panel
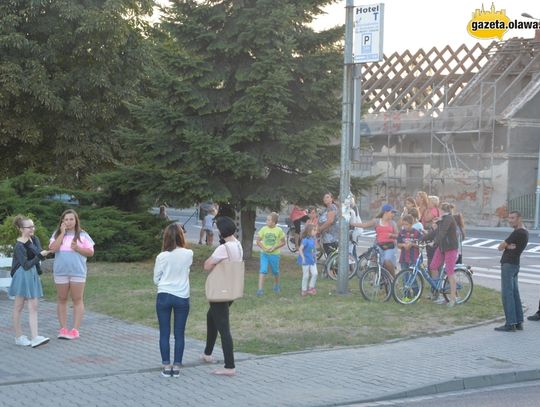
424 80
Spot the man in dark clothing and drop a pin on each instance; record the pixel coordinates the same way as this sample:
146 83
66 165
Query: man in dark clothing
513 246
536 316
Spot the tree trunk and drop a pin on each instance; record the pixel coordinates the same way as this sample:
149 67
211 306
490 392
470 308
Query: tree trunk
247 222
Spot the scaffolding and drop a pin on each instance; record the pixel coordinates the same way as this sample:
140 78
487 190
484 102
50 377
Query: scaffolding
441 118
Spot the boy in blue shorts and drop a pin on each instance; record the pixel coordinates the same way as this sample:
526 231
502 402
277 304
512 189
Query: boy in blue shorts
270 239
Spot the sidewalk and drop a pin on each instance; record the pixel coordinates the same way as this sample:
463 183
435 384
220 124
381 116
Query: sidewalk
116 363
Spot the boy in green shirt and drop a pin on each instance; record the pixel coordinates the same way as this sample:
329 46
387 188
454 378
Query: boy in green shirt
270 239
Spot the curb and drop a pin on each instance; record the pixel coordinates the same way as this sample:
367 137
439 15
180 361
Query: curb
458 384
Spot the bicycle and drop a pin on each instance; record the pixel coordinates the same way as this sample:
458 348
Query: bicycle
409 283
376 281
331 265
291 242
362 262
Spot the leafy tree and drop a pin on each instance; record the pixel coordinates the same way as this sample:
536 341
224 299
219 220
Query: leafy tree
66 68
245 104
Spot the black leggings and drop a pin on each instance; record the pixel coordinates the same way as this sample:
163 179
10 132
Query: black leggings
298 223
217 320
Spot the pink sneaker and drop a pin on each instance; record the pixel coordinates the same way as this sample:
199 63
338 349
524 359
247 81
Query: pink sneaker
304 293
74 334
312 291
63 334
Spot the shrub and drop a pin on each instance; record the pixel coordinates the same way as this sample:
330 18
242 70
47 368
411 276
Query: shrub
9 234
122 236
118 235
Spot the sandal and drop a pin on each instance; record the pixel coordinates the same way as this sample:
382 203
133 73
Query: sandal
224 372
207 358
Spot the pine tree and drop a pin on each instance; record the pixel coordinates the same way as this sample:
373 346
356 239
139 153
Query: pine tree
245 107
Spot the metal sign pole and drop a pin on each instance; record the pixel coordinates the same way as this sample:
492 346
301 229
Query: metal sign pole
363 43
346 137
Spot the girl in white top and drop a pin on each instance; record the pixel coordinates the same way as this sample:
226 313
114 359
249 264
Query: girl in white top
171 275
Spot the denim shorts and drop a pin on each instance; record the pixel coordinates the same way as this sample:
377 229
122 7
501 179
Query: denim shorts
271 260
389 255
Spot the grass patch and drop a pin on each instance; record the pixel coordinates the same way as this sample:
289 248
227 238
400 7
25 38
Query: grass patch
275 324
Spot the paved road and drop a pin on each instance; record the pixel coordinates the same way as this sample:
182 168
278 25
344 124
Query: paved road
115 363
515 395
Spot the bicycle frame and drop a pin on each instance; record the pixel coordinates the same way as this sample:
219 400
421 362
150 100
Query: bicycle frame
409 284
436 284
424 272
374 249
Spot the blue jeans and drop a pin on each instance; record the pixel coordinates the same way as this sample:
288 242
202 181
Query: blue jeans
165 304
511 301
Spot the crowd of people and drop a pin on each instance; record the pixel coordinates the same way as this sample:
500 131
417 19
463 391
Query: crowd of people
422 218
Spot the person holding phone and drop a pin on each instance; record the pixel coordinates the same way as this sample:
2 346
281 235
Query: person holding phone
71 246
26 284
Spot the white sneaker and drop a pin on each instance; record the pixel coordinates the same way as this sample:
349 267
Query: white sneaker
38 341
22 341
440 300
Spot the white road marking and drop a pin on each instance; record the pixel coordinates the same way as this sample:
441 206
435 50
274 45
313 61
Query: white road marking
483 243
495 274
467 241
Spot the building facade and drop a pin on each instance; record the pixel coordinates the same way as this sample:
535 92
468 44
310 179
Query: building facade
461 124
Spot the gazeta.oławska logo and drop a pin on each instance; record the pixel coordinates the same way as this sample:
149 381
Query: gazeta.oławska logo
495 23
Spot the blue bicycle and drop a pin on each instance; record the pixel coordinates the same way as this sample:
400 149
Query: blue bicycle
409 283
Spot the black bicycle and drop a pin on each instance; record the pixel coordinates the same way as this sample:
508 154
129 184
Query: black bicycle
375 280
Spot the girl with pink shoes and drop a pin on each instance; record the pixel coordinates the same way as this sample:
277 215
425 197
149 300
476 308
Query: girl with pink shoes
72 246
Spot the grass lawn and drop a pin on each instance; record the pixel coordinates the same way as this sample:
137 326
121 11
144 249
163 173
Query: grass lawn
284 323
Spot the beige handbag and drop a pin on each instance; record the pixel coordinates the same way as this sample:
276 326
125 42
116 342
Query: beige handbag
226 281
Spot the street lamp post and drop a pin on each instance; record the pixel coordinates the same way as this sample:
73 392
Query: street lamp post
536 32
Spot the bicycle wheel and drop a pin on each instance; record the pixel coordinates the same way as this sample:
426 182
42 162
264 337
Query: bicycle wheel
464 286
331 266
320 251
362 264
407 287
290 241
376 285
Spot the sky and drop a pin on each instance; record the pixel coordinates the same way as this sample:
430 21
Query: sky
415 24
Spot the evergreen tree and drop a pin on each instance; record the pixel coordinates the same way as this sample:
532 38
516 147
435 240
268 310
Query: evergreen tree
66 68
246 103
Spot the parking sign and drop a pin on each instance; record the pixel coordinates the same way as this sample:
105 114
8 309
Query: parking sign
368 33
